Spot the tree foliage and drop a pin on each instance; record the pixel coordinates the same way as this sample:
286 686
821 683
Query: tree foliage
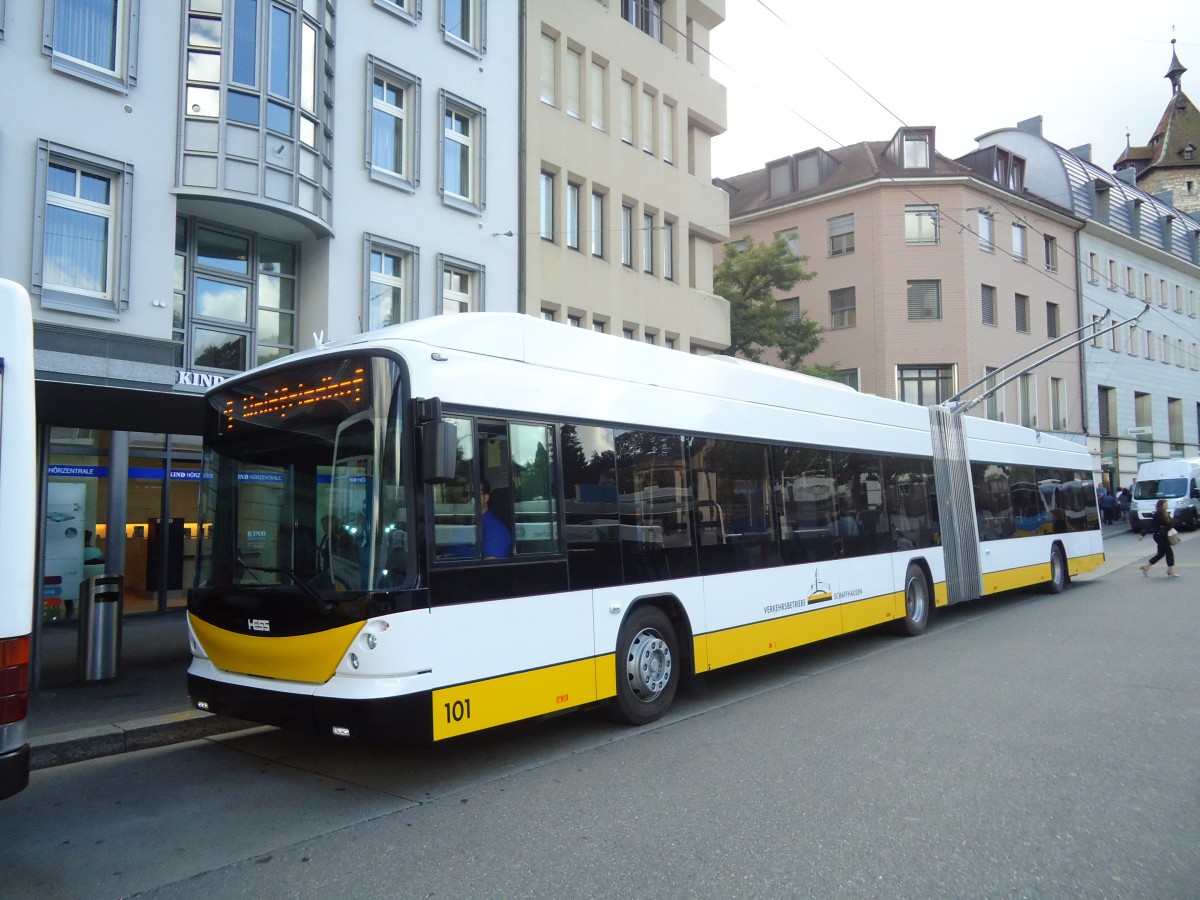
748 278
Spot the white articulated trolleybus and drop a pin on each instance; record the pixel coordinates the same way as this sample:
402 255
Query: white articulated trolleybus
473 520
18 528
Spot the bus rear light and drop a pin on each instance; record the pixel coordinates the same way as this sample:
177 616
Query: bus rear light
14 709
14 680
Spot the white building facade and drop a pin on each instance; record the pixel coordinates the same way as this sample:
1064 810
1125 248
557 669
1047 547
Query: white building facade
194 187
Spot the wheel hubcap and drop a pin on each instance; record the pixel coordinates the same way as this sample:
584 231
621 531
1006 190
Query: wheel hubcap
914 600
648 665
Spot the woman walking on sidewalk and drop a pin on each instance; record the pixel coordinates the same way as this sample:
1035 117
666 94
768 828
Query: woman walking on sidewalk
1162 525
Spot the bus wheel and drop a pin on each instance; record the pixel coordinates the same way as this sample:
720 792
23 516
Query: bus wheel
917 602
647 667
1058 572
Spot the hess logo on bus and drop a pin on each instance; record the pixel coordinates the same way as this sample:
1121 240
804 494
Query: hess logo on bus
258 624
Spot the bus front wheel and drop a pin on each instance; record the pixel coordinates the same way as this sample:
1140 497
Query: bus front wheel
647 667
918 602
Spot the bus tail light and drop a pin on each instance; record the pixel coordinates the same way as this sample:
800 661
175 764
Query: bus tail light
14 680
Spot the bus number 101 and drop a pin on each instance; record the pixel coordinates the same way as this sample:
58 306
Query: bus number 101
458 710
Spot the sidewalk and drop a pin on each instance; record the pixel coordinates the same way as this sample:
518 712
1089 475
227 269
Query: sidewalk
147 705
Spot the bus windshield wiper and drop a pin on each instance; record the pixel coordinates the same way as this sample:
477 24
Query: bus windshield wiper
291 573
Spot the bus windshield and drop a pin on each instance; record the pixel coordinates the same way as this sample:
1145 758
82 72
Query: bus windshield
1158 488
303 484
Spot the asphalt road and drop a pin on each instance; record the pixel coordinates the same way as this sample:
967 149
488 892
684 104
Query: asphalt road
1031 746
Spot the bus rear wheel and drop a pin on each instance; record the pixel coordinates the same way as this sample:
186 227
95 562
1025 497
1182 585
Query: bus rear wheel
1058 572
918 602
647 667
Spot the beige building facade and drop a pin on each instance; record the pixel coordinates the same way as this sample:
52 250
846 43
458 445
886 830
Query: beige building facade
929 274
621 216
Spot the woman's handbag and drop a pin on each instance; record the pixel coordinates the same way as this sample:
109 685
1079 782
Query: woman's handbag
1173 536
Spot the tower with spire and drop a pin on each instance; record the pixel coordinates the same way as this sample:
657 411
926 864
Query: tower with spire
1170 162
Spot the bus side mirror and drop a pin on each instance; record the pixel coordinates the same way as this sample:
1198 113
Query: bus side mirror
439 441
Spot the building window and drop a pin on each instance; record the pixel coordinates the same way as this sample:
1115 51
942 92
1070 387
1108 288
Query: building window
1009 171
848 377
409 10
95 40
645 15
547 53
1051 253
627 333
1019 247
1175 425
1130 282
1147 287
395 112
573 192
1106 399
575 321
668 250
650 338
1027 400
391 268
1162 292
648 243
626 234
1094 269
596 82
463 24
921 224
1058 404
1149 342
987 296
463 140
573 83
841 235
1166 350
599 326
1096 324
779 178
462 286
791 237
238 294
627 112
994 402
987 231
791 310
667 133
1178 298
669 343
597 225
546 205
647 122
1134 337
81 252
842 308
549 315
926 385
916 151
1112 275
1052 321
924 300
1021 304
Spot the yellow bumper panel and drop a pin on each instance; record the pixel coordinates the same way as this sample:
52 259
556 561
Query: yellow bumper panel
308 658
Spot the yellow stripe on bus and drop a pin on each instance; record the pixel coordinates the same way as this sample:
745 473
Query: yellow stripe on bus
1088 563
521 695
745 642
309 658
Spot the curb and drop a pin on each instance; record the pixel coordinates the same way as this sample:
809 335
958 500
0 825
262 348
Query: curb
67 747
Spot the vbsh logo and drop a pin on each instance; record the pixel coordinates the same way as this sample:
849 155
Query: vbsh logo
258 624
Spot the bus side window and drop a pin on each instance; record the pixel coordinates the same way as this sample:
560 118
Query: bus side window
805 504
534 493
454 504
589 465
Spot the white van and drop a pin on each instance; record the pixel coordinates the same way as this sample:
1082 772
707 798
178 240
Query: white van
1177 481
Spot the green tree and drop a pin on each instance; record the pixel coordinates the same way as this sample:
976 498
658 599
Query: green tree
748 277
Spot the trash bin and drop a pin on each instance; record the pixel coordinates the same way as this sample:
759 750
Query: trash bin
101 603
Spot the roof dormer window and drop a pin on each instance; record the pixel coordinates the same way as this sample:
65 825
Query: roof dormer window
916 151
1010 170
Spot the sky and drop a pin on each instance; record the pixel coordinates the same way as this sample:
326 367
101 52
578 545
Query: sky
801 73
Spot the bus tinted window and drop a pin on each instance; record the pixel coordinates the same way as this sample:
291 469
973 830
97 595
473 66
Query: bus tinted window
806 504
862 521
656 506
731 486
589 465
909 486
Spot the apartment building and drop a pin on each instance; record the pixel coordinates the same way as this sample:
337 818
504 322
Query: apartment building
930 274
1136 254
193 187
622 218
